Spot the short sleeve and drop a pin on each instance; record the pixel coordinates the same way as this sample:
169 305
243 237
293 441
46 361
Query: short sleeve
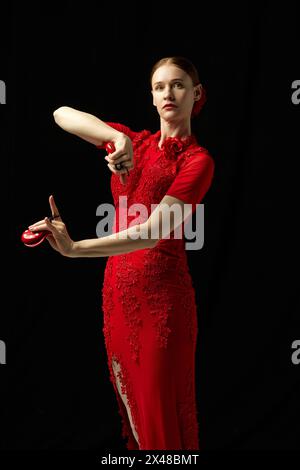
121 128
193 179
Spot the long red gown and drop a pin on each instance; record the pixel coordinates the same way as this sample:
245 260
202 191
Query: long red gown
150 318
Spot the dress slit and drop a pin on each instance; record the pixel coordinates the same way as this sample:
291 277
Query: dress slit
126 389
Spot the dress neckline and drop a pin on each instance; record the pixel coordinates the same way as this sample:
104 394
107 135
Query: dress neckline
182 141
172 147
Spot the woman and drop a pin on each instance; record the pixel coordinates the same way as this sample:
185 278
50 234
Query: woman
150 318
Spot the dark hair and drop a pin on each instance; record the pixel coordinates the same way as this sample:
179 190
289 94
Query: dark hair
180 62
187 66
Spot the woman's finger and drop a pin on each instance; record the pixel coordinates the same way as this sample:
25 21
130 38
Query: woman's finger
47 225
53 227
117 154
36 223
41 225
127 165
124 158
53 206
36 226
120 158
112 168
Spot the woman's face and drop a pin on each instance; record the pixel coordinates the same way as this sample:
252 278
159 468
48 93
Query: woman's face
172 85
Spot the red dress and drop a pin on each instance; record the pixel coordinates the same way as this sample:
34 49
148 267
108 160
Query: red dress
150 318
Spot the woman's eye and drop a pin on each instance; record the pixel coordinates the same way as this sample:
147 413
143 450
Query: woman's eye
160 87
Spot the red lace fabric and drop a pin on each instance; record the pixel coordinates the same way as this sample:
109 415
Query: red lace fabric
149 311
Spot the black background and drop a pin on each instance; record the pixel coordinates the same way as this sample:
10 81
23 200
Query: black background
55 391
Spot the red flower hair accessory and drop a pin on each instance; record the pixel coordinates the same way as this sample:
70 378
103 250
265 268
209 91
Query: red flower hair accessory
198 105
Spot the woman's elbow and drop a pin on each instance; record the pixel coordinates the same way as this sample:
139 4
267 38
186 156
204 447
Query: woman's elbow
59 113
64 118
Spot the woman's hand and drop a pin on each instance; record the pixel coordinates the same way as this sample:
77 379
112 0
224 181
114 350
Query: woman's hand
123 154
59 238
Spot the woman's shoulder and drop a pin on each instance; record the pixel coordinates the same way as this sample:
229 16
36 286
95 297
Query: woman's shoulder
197 151
195 159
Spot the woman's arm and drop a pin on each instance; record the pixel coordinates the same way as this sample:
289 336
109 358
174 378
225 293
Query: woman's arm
84 125
166 217
132 239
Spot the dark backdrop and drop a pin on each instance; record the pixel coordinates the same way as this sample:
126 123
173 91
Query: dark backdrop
56 393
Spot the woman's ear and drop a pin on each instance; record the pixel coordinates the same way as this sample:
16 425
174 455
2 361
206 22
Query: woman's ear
197 92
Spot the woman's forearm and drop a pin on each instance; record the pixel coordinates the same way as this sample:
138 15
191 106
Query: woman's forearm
84 125
125 241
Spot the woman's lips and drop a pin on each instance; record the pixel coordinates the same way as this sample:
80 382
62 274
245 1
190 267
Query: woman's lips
170 106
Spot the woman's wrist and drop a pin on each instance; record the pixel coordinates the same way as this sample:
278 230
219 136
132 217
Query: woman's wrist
117 135
75 249
86 248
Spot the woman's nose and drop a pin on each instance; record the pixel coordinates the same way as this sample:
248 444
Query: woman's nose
168 92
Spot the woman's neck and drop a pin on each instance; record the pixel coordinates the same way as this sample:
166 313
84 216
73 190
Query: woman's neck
172 129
